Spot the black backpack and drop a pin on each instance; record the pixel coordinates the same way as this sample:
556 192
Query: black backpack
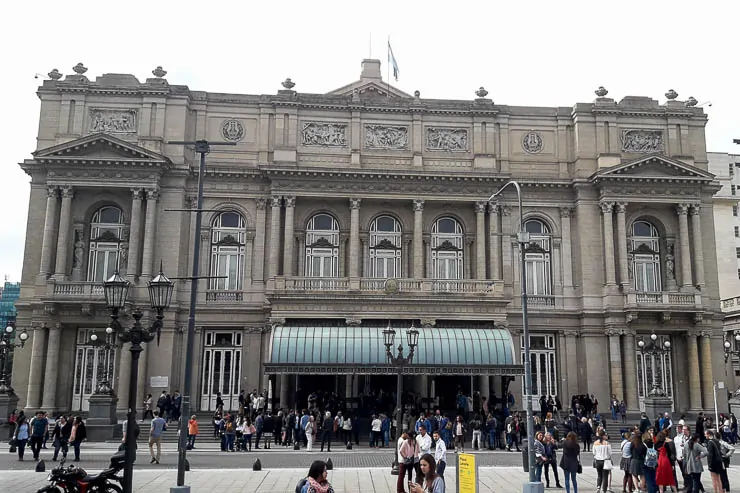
300 485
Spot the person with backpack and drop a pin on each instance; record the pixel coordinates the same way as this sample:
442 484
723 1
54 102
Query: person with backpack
651 464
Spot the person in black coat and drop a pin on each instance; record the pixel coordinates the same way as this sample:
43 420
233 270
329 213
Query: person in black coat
570 460
326 429
699 428
60 436
586 433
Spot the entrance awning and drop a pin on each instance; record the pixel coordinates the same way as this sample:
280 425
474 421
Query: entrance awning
304 349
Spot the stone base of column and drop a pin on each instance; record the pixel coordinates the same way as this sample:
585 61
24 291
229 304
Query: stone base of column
8 404
734 405
656 406
101 421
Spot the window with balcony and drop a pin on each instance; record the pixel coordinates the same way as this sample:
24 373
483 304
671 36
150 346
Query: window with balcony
228 237
385 248
106 233
539 272
646 257
322 246
447 249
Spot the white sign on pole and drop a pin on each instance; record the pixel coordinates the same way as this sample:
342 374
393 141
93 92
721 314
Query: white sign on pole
162 382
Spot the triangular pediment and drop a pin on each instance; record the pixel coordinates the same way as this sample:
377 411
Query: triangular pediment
100 146
654 167
365 90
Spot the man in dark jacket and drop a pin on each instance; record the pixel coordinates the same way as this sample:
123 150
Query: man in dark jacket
326 429
60 436
268 428
644 423
699 428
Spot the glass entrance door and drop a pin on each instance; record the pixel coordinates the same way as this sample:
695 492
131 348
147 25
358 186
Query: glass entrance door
221 370
92 364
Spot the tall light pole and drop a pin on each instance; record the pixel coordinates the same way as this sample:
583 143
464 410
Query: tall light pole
6 346
522 238
202 147
399 361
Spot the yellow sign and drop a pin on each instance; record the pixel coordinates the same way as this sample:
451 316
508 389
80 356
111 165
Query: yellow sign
467 474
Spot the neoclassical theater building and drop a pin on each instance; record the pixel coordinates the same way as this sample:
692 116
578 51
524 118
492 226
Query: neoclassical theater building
337 215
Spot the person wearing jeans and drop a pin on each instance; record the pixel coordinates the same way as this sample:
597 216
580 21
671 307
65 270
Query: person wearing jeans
602 451
39 426
21 436
440 454
571 461
539 456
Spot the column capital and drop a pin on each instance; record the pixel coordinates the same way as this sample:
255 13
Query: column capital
494 208
682 209
480 206
606 207
152 194
418 205
52 191
571 333
611 332
695 209
261 204
191 201
566 212
137 193
630 332
275 201
505 210
621 207
289 200
67 192
354 203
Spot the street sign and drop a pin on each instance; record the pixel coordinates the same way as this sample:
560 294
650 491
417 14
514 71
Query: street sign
467 474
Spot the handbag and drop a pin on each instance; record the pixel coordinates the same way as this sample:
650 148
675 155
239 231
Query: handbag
580 467
408 461
608 465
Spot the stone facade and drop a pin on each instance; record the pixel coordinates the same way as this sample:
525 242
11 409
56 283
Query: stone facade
592 175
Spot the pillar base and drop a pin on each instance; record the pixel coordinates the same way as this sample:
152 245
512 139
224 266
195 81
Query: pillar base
656 406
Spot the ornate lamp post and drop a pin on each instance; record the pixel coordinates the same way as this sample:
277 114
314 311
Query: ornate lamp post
7 345
400 362
655 350
732 349
108 343
116 291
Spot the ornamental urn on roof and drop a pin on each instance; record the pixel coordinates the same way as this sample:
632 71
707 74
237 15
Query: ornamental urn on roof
288 84
159 72
601 92
671 94
691 102
79 68
54 74
481 92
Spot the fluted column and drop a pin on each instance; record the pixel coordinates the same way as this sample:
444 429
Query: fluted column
565 214
480 239
571 363
615 363
698 250
123 386
693 363
135 238
683 232
606 210
631 398
707 380
418 240
36 373
50 223
622 244
274 235
259 241
150 233
51 371
494 233
509 262
63 240
289 235
354 237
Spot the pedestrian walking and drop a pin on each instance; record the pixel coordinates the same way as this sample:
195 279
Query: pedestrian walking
158 426
192 432
326 430
78 435
60 437
21 435
440 453
570 463
39 425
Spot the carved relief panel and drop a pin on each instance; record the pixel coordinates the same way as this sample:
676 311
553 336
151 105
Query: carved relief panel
447 139
386 137
642 141
324 134
113 121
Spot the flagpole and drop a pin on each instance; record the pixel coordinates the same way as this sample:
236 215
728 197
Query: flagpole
388 70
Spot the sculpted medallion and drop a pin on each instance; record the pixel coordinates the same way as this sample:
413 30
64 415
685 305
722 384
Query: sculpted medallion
113 121
532 143
386 137
324 134
642 141
447 139
232 130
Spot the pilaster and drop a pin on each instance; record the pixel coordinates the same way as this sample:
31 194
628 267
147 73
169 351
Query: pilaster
274 246
622 244
65 225
51 372
631 398
50 226
418 238
289 201
567 253
132 270
606 211
698 250
683 232
480 239
258 259
354 238
150 233
36 372
494 228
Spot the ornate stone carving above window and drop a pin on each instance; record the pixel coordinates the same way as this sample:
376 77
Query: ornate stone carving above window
324 134
113 121
322 243
229 240
386 137
447 139
447 246
642 140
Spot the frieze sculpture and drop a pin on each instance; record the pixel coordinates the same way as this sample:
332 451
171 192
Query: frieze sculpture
113 121
532 143
642 141
447 139
386 137
324 134
232 130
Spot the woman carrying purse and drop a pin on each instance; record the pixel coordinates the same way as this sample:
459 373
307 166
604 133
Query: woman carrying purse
571 461
602 451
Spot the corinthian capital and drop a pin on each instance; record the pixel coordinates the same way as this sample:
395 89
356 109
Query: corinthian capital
275 201
566 212
480 207
695 209
52 191
261 204
68 192
289 200
354 203
418 205
621 207
606 207
682 209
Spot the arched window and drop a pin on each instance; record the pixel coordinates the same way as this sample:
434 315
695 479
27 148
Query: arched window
228 237
447 249
646 257
539 272
385 248
106 235
322 246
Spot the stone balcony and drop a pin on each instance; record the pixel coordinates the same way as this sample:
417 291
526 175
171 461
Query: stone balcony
420 287
731 304
665 301
82 291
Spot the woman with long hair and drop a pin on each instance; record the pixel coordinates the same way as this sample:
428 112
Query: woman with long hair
21 434
79 434
694 467
409 452
432 482
666 457
317 482
571 461
625 462
602 451
638 461
714 460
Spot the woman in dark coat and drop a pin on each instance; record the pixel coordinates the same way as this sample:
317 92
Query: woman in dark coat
570 461
586 433
638 460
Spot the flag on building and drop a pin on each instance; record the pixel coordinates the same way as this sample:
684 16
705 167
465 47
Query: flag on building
392 61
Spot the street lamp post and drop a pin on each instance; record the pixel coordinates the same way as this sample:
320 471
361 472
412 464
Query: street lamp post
107 343
730 348
522 238
654 349
400 362
160 295
7 345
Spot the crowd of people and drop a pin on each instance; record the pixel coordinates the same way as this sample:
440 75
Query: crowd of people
64 432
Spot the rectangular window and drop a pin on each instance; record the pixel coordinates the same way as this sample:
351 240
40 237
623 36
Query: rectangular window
737 231
733 190
647 273
737 252
734 210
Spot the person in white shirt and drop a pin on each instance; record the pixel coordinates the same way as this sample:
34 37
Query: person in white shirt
440 454
376 427
681 441
602 451
424 440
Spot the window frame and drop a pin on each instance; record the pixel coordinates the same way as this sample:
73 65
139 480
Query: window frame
448 251
538 257
106 238
646 259
228 244
385 256
317 251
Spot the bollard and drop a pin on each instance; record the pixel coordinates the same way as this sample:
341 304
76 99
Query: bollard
257 466
525 456
329 464
187 465
40 466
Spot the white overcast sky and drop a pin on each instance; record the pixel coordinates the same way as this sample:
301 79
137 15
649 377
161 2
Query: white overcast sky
537 53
